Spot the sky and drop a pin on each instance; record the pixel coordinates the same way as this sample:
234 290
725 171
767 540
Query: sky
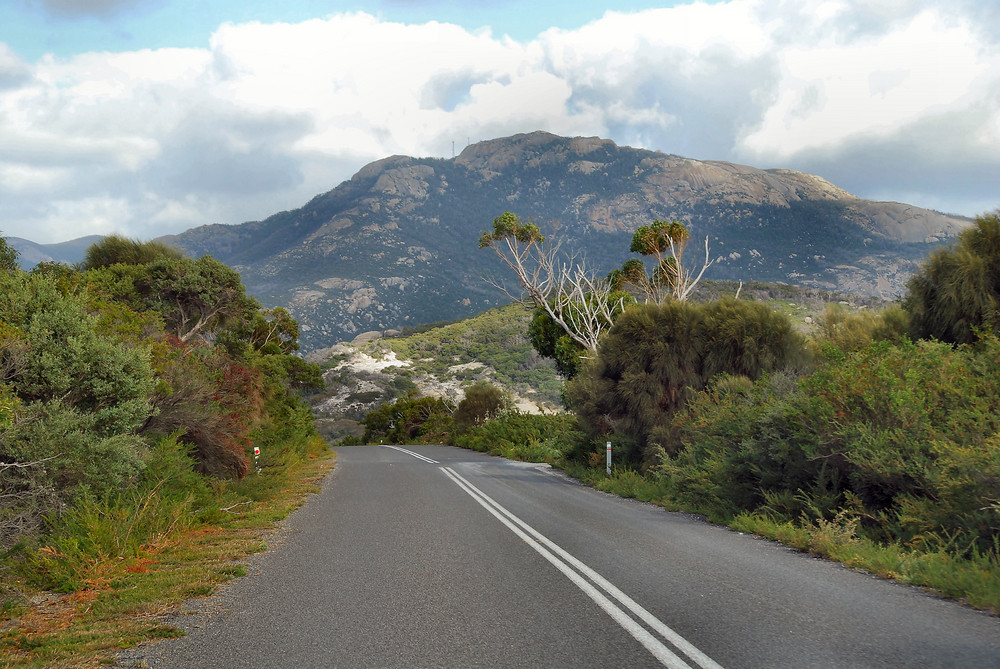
150 117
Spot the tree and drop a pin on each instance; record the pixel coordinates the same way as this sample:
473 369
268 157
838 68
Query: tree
274 331
193 296
957 290
665 242
8 257
581 305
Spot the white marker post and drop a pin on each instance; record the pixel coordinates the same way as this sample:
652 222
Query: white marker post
609 458
256 458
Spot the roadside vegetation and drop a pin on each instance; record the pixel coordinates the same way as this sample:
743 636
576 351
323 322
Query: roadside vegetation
150 428
873 439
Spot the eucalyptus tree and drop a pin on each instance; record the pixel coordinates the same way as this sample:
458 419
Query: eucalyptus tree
582 305
194 297
664 242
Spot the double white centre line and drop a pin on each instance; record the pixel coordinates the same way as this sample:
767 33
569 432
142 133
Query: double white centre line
416 455
575 571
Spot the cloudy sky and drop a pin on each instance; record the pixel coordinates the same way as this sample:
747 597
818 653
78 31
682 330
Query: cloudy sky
148 117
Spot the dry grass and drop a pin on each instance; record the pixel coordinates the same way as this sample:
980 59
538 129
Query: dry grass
125 602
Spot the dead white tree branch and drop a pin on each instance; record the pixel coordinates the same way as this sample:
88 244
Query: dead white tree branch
580 304
685 278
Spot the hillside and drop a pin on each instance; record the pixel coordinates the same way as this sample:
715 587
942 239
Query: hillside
31 253
439 361
397 244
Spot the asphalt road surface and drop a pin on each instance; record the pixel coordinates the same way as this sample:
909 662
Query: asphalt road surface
432 556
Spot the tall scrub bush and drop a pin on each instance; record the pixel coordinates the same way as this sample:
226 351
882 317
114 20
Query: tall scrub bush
655 356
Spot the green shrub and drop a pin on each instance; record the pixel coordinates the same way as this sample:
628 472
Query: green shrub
852 332
656 356
67 359
522 436
78 458
905 435
410 419
957 291
482 401
8 257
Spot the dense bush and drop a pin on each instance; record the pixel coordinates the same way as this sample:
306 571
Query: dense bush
905 436
409 420
145 372
67 359
551 341
655 356
8 257
957 291
848 331
521 436
481 402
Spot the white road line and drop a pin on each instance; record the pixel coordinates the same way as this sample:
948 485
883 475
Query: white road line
661 652
416 455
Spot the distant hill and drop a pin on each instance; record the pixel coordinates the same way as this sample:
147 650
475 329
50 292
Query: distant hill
438 360
397 243
71 252
443 359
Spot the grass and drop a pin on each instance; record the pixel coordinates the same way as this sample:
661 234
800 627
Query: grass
122 600
972 578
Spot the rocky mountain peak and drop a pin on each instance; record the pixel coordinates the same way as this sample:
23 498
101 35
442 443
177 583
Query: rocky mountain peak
396 244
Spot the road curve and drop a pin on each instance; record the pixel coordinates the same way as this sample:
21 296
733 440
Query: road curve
432 556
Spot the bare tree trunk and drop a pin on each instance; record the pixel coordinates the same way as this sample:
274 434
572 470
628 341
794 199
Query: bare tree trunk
575 300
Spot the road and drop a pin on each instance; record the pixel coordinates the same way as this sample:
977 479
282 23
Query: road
432 556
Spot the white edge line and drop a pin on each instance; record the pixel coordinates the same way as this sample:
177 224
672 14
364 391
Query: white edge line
666 632
652 644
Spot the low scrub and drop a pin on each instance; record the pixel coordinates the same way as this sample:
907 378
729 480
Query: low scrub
905 436
522 436
885 458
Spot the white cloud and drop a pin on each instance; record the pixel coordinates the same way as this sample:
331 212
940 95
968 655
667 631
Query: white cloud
833 91
13 70
892 99
83 216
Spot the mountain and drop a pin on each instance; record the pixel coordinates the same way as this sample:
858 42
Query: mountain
397 244
71 252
